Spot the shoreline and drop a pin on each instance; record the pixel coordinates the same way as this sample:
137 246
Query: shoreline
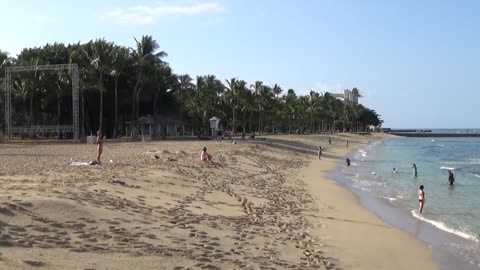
354 233
443 242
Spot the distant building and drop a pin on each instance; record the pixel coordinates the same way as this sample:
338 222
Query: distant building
348 96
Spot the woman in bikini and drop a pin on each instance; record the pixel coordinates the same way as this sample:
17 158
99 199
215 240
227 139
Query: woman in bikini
100 140
421 199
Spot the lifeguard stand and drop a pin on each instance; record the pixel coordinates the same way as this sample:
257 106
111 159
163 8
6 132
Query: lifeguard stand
214 121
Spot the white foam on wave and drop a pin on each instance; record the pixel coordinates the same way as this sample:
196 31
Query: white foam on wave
444 227
447 168
390 198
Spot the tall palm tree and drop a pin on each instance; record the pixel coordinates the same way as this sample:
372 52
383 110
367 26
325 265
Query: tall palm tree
100 57
28 84
120 62
183 94
144 55
4 59
231 97
256 89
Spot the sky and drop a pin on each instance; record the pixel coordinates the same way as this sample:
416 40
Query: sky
414 62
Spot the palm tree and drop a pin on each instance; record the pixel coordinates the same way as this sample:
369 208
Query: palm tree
183 94
100 57
120 62
144 56
231 97
256 89
4 59
28 84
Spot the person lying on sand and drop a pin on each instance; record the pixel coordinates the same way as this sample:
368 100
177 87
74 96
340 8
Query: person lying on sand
204 156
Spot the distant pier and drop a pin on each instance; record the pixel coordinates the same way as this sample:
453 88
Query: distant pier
429 133
406 134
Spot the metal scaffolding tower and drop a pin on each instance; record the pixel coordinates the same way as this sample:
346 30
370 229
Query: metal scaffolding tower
74 128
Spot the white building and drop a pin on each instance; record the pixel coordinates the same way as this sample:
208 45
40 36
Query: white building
348 97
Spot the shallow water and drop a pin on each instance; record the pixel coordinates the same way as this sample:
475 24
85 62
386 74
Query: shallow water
452 214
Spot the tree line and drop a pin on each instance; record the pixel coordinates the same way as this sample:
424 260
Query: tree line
120 85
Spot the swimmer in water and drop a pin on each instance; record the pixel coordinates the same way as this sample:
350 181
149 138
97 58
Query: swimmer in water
415 172
394 171
451 177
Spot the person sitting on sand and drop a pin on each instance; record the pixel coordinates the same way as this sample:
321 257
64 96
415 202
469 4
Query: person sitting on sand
451 177
100 140
421 198
204 156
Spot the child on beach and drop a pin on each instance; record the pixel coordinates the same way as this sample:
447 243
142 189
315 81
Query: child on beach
204 156
100 140
421 198
319 152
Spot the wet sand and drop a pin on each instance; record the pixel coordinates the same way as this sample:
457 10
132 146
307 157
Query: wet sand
258 206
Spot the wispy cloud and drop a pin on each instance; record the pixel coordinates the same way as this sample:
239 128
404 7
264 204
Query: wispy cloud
148 14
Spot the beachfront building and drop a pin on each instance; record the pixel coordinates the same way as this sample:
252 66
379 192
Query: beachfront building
348 96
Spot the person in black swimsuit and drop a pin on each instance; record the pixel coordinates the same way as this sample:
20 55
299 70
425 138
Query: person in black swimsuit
451 177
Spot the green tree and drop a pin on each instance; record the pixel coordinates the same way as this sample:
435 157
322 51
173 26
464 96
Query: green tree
120 62
100 56
145 56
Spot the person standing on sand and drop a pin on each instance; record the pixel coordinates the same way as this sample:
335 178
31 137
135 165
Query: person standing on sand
100 140
319 152
347 144
329 140
421 199
415 172
348 162
451 177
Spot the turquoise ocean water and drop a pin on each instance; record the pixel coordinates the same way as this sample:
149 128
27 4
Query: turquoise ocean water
450 223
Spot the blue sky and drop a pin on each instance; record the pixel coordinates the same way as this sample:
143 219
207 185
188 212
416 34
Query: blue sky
416 62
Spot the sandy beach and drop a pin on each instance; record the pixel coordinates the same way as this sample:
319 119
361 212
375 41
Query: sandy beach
261 205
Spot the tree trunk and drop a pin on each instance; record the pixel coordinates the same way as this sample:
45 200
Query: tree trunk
244 120
100 117
115 123
137 100
58 113
233 125
135 89
259 121
31 109
82 114
250 124
155 106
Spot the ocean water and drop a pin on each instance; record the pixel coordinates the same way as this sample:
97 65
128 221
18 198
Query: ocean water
450 223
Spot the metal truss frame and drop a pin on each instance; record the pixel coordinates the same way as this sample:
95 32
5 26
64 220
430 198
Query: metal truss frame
74 128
